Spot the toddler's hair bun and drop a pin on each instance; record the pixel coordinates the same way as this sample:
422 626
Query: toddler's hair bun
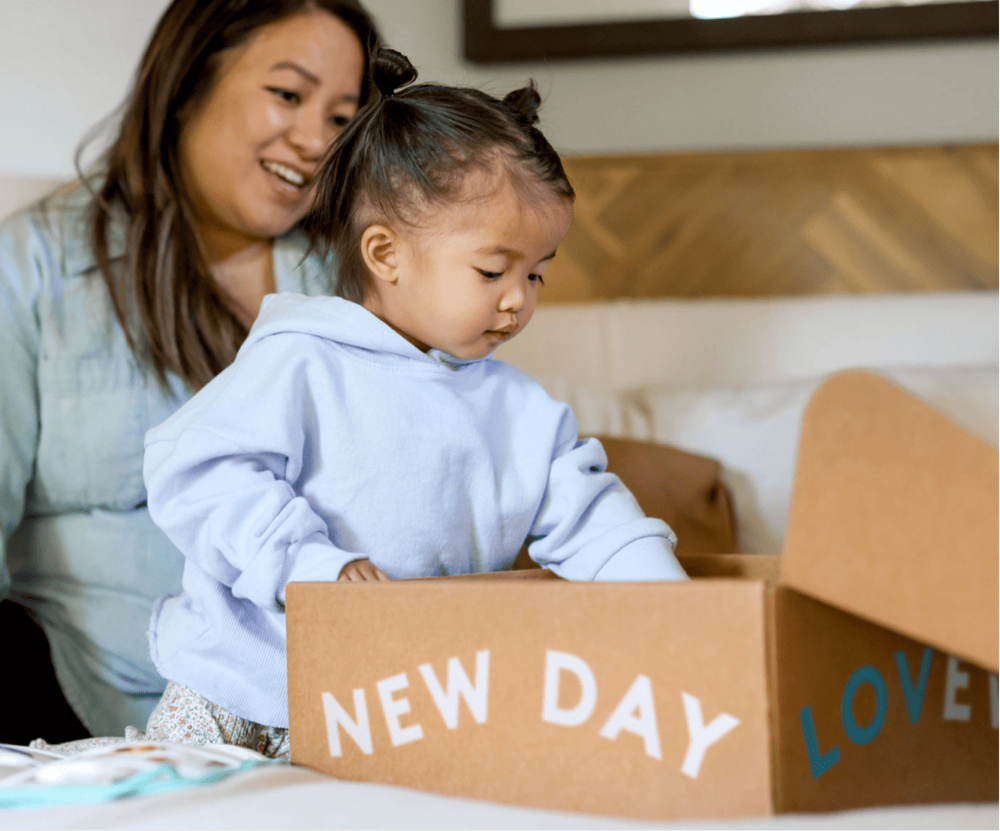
524 103
391 70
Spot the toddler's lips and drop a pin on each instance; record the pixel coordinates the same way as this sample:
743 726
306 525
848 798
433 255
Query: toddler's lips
502 334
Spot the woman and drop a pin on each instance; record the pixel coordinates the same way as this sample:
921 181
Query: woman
123 294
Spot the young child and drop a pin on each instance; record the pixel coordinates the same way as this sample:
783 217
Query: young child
372 436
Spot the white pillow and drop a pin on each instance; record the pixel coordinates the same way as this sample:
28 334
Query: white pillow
754 432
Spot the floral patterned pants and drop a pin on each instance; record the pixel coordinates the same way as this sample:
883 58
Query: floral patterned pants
185 717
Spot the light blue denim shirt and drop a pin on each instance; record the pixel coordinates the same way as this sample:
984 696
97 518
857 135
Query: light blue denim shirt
77 545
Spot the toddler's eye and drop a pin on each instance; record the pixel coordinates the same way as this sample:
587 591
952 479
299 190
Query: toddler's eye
537 278
339 121
490 275
287 95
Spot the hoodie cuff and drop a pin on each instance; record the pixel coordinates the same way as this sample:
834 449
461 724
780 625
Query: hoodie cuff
315 562
646 559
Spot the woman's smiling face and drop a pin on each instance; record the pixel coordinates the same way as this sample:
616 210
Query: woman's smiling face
251 147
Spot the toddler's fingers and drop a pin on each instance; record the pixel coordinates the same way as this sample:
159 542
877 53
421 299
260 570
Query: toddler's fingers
353 571
359 571
367 571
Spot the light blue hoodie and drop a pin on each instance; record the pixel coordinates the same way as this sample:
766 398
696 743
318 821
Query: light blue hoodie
332 438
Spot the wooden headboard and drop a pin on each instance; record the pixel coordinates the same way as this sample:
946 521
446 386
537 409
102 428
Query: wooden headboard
782 222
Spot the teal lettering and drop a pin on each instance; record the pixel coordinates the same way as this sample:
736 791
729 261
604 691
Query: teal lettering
819 763
914 693
855 732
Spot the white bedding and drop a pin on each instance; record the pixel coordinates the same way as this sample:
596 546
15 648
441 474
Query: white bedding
292 798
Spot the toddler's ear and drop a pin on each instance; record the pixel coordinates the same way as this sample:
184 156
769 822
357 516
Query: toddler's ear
379 249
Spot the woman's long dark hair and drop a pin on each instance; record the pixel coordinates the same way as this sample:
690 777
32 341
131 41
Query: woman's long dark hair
174 316
411 149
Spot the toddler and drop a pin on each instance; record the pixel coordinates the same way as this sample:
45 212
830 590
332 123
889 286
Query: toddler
371 436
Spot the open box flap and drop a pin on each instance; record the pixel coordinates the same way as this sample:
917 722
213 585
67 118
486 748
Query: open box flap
894 516
866 716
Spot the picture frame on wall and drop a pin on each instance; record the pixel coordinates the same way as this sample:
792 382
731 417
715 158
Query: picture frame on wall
507 31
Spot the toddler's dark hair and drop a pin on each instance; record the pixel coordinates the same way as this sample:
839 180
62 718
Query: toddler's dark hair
411 150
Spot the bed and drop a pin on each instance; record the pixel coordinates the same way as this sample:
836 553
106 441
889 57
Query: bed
697 303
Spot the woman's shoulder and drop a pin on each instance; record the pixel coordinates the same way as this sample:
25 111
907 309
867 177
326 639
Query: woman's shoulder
56 222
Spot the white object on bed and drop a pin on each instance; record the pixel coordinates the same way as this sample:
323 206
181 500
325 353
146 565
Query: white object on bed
114 770
731 378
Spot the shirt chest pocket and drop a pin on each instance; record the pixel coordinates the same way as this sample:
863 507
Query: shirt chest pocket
92 423
95 407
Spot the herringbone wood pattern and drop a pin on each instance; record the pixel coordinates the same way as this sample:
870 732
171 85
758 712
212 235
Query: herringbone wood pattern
780 223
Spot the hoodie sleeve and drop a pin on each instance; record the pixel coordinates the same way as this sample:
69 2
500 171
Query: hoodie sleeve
219 477
590 527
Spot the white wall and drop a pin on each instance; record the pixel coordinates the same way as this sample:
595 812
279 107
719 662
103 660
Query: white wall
67 63
901 94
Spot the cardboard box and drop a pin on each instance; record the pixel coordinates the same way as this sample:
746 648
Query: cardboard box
732 695
902 528
720 698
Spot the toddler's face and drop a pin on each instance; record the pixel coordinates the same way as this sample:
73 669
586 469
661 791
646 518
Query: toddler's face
469 280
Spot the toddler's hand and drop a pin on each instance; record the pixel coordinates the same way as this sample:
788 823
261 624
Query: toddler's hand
360 570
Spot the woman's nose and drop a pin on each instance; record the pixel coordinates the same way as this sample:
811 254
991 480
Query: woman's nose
311 133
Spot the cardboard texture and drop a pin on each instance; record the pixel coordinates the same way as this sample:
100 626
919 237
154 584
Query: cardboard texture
560 660
865 716
730 695
719 698
894 516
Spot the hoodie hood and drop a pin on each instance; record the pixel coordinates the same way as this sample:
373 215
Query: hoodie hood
342 321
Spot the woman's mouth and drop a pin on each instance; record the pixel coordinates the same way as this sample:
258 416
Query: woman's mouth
286 174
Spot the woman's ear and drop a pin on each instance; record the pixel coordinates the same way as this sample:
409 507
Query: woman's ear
379 249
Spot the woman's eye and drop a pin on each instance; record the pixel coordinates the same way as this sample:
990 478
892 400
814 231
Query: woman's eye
339 121
286 94
490 275
536 278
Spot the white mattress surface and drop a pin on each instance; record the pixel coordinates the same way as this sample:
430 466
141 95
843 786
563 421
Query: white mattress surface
293 798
